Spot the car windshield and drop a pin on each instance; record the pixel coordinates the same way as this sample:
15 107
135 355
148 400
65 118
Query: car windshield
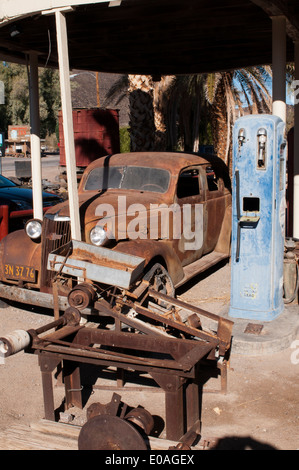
5 182
128 177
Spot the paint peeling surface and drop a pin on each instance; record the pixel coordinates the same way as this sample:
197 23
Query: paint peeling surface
258 218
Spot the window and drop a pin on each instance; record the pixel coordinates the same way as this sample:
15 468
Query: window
128 177
211 179
188 184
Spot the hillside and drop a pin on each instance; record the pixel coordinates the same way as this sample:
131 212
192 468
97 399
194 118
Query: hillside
84 92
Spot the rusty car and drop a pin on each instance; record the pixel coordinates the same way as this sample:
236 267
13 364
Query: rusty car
166 213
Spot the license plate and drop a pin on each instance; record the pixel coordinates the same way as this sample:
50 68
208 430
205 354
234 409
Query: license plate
18 272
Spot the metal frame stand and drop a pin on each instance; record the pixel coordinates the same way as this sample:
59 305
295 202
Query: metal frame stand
182 393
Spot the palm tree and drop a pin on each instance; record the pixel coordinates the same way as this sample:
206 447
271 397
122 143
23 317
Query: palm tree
147 104
186 110
216 100
168 113
226 93
142 124
161 96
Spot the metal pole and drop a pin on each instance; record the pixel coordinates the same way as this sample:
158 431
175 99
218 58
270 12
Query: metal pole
68 128
98 89
279 66
36 165
296 153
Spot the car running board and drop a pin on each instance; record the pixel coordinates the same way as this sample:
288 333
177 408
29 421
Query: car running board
201 265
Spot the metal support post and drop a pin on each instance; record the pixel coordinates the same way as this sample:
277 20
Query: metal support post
72 382
36 165
296 153
279 66
68 128
47 366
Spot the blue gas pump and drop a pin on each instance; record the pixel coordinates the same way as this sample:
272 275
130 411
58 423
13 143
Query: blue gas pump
258 218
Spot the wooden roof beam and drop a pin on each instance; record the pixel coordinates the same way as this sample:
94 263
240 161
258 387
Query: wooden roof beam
279 8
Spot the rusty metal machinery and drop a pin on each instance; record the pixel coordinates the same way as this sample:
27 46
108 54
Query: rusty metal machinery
140 330
113 427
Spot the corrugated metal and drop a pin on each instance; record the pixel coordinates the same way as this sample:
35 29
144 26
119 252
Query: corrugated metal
96 133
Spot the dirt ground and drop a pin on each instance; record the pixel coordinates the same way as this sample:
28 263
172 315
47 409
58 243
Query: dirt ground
260 409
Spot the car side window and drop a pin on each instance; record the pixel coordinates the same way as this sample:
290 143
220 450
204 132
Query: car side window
188 183
213 183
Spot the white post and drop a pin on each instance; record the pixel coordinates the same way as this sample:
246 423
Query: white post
296 153
36 166
68 128
279 66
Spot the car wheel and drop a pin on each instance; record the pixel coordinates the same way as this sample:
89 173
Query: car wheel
160 280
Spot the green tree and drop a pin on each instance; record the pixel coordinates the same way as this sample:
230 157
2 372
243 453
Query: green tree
50 101
16 109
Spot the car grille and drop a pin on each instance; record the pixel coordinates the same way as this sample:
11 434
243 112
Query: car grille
55 234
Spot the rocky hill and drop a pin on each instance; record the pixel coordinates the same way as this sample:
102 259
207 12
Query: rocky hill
84 92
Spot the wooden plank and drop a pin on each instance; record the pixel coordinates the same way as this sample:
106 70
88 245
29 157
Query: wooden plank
50 435
22 437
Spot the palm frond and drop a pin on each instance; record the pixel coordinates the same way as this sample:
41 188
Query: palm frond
118 91
210 86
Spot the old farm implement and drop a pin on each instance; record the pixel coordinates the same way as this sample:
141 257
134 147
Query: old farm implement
130 329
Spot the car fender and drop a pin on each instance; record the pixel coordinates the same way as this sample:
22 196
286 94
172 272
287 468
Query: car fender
154 250
18 249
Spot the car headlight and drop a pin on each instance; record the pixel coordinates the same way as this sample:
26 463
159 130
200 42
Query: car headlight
33 228
97 235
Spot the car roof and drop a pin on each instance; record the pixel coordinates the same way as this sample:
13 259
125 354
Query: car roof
171 161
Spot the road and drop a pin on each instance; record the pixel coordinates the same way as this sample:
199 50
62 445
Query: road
50 165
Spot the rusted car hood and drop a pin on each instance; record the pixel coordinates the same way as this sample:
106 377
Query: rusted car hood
90 202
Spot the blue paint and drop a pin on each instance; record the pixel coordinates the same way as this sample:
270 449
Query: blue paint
258 218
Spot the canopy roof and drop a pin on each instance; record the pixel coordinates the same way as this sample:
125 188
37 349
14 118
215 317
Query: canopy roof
148 36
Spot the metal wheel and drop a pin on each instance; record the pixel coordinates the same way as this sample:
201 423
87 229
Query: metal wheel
160 281
110 433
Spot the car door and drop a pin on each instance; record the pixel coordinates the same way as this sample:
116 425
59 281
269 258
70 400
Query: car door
215 207
190 197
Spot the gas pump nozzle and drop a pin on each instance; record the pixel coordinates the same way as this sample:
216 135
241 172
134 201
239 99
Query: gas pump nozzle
262 139
241 137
